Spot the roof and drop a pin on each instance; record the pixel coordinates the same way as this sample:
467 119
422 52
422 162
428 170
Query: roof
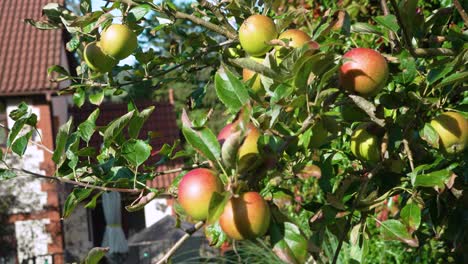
162 121
164 229
26 52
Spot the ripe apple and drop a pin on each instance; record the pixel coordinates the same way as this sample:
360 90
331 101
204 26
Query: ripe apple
254 34
96 59
247 74
248 154
195 191
296 38
452 128
365 145
118 41
245 217
364 71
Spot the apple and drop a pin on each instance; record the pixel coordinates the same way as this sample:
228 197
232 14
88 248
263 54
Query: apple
247 74
255 33
248 154
245 217
96 59
365 145
195 191
452 128
296 38
118 41
364 71
310 171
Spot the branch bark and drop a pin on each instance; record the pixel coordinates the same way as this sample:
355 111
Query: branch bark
187 235
208 25
367 107
461 11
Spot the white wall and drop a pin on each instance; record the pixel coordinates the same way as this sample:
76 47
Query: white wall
156 210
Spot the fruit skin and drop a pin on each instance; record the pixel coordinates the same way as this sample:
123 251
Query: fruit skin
364 145
248 154
118 41
296 38
195 191
364 71
247 74
452 128
245 217
255 32
96 59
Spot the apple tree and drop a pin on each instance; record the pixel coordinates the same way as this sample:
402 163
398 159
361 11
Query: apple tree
344 121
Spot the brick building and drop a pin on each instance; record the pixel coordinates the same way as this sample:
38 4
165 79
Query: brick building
25 55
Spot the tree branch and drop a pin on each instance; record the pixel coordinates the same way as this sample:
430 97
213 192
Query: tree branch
208 25
386 12
220 16
187 235
82 184
367 107
361 192
418 52
461 11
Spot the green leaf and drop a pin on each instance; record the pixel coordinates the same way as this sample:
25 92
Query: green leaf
429 135
116 127
389 21
87 128
411 216
288 242
202 139
231 91
435 178
136 151
395 230
6 174
138 12
365 28
456 77
97 97
21 143
63 74
217 203
215 235
141 202
92 204
61 140
95 255
230 149
73 199
79 97
138 120
85 6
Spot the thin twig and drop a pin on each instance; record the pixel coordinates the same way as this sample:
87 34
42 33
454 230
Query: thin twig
206 24
461 11
193 166
187 235
220 16
408 153
406 35
82 184
361 192
391 34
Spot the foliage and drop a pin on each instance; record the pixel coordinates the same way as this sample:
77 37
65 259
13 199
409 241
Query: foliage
425 44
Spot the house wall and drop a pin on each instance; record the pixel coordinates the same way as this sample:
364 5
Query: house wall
156 210
36 211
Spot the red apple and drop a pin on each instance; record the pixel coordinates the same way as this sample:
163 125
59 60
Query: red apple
245 217
195 191
364 71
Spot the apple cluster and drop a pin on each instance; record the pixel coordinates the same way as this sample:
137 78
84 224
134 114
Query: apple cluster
363 71
117 42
